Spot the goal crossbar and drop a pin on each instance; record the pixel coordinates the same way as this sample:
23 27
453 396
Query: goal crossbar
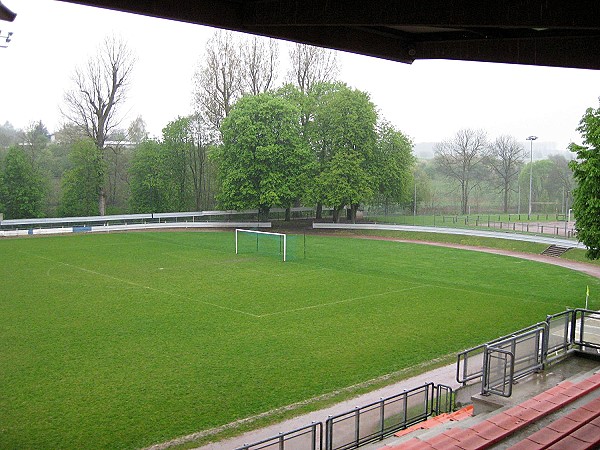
241 230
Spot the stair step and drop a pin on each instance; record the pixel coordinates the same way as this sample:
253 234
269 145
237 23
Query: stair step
555 250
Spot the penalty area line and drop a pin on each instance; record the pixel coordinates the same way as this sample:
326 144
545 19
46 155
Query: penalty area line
149 288
346 300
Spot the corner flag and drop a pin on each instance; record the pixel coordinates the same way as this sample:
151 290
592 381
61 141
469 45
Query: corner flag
587 295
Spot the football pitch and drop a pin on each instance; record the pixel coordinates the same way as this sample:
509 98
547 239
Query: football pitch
127 340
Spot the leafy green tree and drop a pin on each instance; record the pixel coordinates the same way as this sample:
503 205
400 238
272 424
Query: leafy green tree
263 161
35 139
586 170
201 165
563 180
392 166
152 187
9 135
22 189
174 174
423 186
343 138
81 184
178 143
545 187
345 181
189 141
137 132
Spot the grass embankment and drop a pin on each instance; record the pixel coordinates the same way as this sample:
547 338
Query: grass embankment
124 340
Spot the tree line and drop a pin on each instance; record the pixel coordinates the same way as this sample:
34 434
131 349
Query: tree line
252 142
472 162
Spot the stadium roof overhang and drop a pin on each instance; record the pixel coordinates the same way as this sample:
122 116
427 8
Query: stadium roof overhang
6 14
556 33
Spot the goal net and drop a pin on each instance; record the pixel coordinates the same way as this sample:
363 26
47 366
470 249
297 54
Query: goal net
283 246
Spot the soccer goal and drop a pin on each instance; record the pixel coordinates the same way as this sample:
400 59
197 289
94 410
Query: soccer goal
260 242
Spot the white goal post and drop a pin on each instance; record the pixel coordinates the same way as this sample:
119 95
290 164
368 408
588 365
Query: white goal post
281 235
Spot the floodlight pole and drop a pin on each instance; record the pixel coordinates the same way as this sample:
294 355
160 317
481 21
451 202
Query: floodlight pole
530 139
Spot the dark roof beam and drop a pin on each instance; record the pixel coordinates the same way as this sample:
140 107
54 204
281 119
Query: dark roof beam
352 40
554 52
457 13
6 14
216 13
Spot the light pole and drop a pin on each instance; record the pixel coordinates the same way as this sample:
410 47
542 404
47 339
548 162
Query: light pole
530 139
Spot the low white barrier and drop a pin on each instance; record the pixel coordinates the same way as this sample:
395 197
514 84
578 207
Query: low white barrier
463 231
132 227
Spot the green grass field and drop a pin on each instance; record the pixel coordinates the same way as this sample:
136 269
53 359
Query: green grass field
125 340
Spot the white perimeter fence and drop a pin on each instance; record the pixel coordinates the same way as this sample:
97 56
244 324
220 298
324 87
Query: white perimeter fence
571 243
126 222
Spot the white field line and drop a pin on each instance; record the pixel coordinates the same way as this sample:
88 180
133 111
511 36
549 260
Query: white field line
318 272
338 302
149 288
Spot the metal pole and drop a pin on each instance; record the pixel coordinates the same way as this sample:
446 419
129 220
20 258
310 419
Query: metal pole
530 139
530 177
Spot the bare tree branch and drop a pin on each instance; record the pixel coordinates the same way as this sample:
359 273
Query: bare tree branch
458 158
310 65
99 89
505 157
218 80
259 58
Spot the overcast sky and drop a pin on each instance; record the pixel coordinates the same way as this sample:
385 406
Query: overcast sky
428 100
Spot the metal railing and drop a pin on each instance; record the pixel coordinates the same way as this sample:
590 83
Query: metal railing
379 419
585 329
470 362
560 334
565 230
497 371
501 362
309 437
365 424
